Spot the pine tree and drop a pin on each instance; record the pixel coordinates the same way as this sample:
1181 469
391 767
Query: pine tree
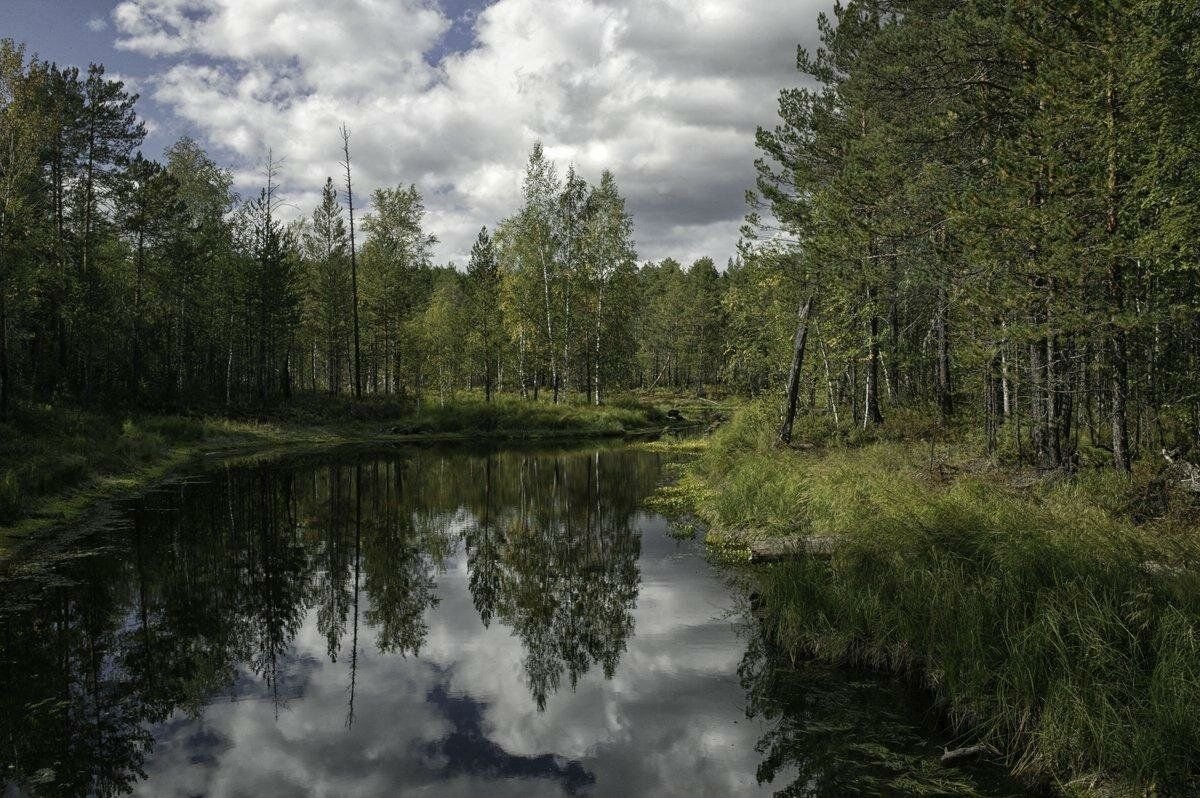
609 249
483 292
328 310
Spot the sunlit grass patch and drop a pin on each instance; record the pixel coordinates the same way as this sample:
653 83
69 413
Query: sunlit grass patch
54 462
1043 617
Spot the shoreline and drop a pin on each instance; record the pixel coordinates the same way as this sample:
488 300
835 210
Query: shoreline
166 444
1022 603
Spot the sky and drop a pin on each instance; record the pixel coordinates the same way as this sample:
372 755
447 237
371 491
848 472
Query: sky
661 724
451 95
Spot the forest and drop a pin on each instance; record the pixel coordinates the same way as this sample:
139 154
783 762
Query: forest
992 208
973 236
129 282
987 209
959 343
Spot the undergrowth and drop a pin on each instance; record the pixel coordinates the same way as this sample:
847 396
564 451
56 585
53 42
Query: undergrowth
1042 616
54 460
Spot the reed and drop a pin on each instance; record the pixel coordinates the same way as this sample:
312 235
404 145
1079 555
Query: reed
1044 620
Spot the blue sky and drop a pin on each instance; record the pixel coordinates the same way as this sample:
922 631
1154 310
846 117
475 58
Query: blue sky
450 94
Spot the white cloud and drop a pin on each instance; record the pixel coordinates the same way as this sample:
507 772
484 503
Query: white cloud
666 93
669 721
97 24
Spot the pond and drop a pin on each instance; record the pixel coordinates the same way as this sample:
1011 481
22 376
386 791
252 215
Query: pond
436 620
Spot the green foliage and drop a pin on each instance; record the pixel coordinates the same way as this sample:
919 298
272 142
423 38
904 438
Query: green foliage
54 461
517 418
988 229
46 451
1045 620
134 284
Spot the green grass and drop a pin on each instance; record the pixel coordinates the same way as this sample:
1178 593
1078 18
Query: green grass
56 462
1042 617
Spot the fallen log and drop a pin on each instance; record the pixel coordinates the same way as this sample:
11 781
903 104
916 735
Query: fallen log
786 548
951 757
1189 473
775 549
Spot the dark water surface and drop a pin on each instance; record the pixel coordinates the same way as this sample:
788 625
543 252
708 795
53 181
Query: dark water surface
430 621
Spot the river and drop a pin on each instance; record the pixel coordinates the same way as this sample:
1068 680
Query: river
438 621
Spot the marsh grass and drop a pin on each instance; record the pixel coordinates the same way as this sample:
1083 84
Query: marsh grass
510 415
55 462
1043 618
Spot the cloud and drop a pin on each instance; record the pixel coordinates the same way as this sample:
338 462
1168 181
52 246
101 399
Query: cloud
458 720
666 93
97 24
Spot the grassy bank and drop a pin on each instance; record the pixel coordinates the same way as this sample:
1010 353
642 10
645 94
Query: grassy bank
1058 619
56 462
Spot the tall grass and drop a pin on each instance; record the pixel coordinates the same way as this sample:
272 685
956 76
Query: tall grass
1046 623
51 456
515 416
45 450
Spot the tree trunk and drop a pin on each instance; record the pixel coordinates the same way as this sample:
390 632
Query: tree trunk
522 379
833 401
549 329
1118 343
353 266
1037 404
1120 392
852 376
871 412
599 328
1053 403
136 386
488 376
565 369
894 329
229 372
89 188
5 388
793 386
1067 389
59 297
991 402
945 389
1005 382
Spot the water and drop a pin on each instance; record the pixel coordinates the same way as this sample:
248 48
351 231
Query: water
432 621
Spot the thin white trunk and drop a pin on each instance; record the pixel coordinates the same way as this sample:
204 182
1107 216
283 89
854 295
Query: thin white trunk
549 326
521 364
566 360
599 327
833 408
1005 386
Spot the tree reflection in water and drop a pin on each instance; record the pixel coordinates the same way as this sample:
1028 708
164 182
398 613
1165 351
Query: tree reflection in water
557 562
845 734
209 580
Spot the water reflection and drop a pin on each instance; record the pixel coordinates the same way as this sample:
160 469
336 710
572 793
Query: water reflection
204 591
833 733
366 623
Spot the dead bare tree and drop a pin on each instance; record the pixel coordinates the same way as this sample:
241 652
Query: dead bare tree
353 263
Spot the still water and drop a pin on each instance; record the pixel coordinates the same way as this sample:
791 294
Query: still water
422 621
